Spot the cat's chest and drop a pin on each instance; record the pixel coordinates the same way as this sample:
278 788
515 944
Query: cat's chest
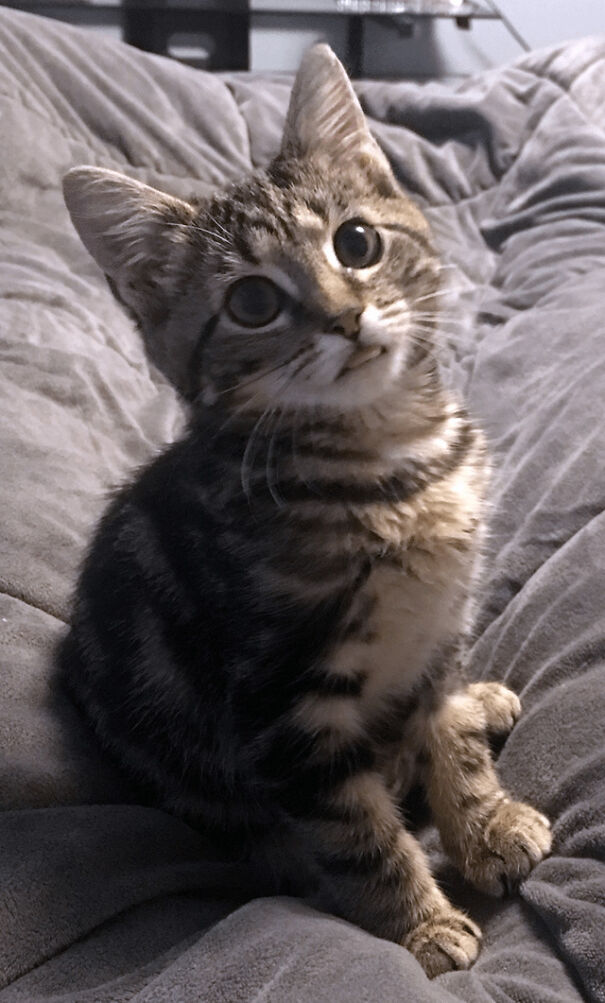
407 618
406 610
401 616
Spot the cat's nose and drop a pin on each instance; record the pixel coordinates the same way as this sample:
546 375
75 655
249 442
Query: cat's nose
347 323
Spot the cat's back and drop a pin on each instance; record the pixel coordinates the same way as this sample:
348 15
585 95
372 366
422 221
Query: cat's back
175 655
142 657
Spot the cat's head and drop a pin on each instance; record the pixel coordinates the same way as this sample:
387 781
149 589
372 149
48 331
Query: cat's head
307 284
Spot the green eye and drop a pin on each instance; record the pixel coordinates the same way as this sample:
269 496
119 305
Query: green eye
253 301
357 244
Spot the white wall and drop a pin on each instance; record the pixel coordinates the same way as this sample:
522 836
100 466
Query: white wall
543 22
437 48
277 42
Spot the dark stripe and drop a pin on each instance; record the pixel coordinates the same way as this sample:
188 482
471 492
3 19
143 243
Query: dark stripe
328 684
286 228
196 364
243 248
358 625
330 452
388 728
471 763
397 487
307 521
309 566
409 232
221 213
265 224
318 208
284 671
469 802
361 864
472 734
290 763
358 629
280 173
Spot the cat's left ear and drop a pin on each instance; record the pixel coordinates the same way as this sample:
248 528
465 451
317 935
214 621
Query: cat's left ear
325 120
135 233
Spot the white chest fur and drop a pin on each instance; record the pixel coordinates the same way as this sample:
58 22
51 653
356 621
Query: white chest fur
416 598
412 609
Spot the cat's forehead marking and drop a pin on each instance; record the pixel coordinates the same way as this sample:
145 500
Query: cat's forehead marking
306 218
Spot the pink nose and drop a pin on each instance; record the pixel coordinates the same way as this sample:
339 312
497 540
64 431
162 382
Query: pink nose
347 323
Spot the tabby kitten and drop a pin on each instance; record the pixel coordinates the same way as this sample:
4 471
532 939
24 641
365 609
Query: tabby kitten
270 624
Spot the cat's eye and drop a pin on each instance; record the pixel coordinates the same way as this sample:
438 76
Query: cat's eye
357 244
253 301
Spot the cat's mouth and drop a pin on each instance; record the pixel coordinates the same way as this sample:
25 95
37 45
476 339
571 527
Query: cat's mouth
365 353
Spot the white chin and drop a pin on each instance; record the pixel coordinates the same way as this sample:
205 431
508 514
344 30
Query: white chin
351 389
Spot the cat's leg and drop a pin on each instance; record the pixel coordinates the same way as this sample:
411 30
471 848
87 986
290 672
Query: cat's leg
375 874
494 841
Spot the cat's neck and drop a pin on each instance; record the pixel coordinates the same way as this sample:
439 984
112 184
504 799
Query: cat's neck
387 450
410 411
414 409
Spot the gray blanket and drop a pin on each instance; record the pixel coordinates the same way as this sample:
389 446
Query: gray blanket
106 900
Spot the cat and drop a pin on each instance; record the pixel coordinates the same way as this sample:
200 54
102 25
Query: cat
271 623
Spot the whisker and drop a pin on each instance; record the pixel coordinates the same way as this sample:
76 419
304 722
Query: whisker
433 336
429 296
259 376
308 363
214 220
272 416
269 466
396 309
441 319
248 457
246 406
271 481
305 362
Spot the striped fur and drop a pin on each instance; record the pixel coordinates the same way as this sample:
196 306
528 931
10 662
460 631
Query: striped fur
269 629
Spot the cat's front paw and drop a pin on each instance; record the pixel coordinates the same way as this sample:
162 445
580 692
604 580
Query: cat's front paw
448 940
502 707
514 840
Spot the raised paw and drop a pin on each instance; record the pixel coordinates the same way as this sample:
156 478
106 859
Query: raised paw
501 706
514 840
448 940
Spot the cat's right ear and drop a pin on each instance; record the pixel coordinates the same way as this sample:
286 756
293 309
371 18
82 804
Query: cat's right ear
325 120
134 233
